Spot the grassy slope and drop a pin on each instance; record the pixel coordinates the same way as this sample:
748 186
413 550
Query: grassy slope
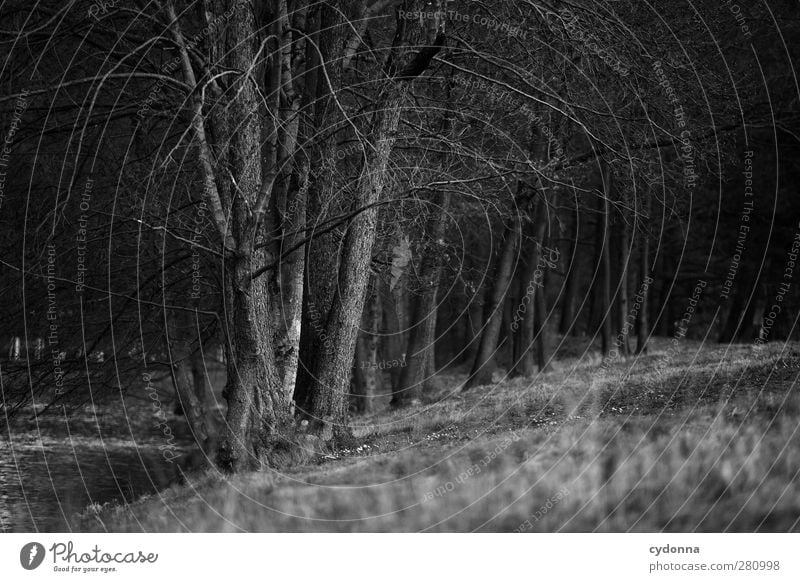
702 439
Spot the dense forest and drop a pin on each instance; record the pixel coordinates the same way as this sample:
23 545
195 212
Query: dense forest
275 218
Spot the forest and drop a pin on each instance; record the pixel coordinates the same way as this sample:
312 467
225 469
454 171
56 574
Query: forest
263 237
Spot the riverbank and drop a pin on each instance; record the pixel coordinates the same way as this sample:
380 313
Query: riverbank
54 463
695 439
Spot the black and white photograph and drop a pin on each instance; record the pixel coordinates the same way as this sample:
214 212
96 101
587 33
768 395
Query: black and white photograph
400 267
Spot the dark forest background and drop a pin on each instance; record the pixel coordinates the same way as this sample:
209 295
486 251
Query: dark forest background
292 213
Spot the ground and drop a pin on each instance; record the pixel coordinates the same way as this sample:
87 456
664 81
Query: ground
687 438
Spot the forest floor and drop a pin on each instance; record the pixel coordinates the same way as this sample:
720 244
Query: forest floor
687 438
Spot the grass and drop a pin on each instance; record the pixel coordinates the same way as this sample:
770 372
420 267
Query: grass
702 439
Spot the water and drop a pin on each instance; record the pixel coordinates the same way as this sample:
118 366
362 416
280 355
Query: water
45 481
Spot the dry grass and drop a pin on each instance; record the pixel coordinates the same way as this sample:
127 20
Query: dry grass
707 441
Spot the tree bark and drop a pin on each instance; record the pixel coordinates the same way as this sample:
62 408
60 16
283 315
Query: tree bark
531 311
368 374
257 407
567 324
540 330
239 199
291 205
419 354
333 367
506 348
643 322
623 311
327 397
540 295
326 37
484 364
190 388
605 254
395 324
475 324
661 312
292 284
524 362
746 312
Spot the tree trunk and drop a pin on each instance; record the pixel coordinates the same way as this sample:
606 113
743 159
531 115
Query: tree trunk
605 254
419 354
567 324
368 375
540 330
327 33
735 318
360 384
643 322
239 199
661 313
484 364
327 397
623 311
522 328
395 325
257 407
191 393
286 216
524 363
594 322
544 264
293 283
333 367
505 350
746 313
475 324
